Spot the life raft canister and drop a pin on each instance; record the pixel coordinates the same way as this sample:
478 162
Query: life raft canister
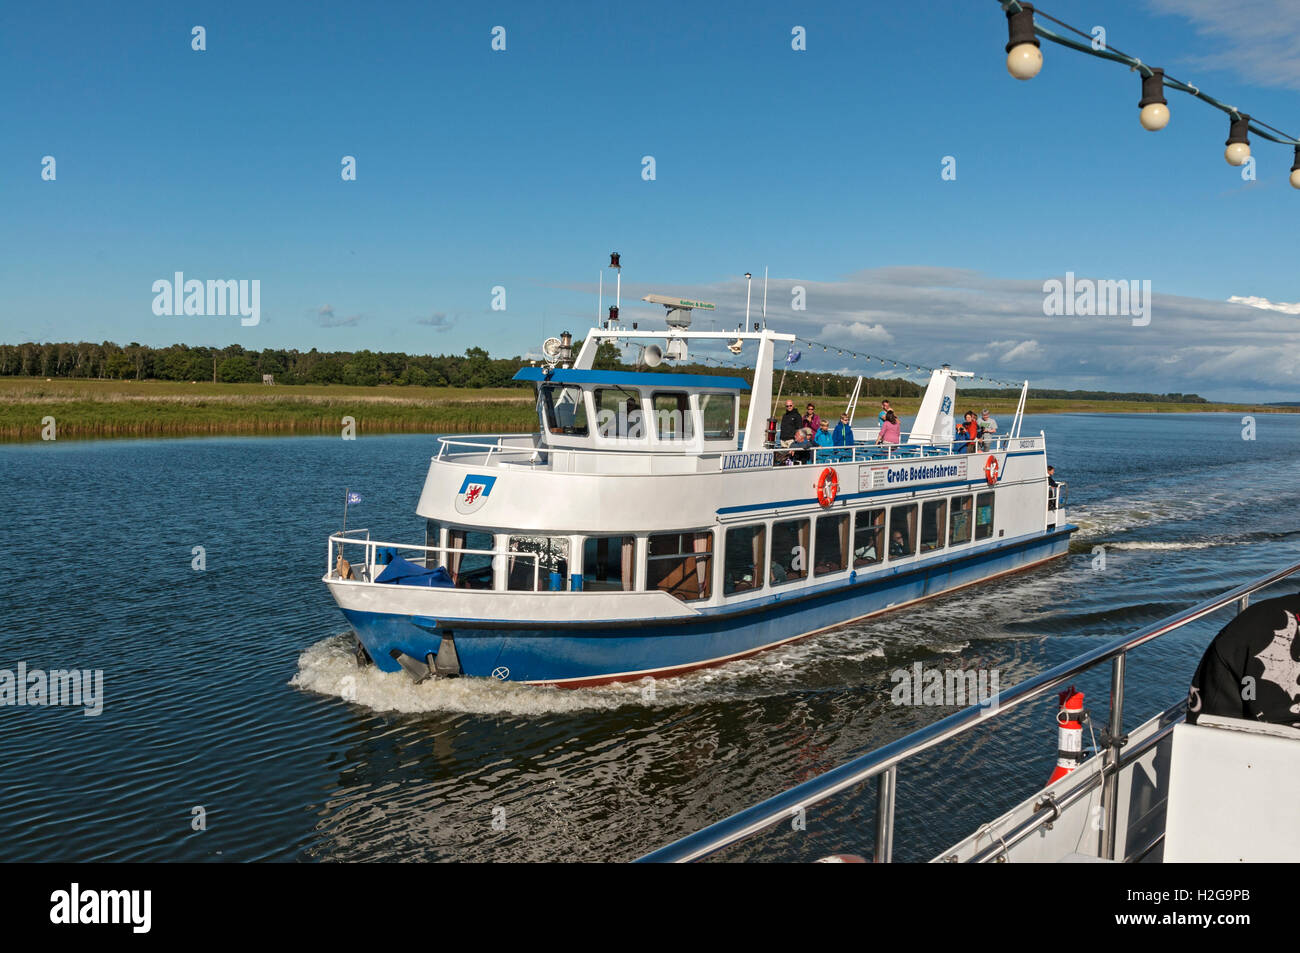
828 485
992 470
1069 734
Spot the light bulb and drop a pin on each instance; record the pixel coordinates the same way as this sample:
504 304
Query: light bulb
1237 153
1024 61
1154 117
1295 179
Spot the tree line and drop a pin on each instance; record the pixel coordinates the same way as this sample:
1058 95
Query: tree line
473 369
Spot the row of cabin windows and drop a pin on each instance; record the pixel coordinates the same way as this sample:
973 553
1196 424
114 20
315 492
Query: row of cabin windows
620 415
681 564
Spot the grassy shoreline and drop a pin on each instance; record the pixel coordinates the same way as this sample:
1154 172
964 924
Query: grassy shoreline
99 409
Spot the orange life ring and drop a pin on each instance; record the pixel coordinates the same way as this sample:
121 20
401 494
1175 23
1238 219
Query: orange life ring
991 470
828 485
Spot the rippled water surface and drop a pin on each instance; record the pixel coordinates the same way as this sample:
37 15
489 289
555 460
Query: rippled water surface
223 688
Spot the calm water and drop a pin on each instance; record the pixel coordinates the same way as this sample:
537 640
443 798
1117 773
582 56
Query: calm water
223 687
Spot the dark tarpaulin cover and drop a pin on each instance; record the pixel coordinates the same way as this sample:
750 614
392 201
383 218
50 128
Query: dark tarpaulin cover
402 572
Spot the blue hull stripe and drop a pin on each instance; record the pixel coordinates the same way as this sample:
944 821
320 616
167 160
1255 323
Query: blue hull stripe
629 648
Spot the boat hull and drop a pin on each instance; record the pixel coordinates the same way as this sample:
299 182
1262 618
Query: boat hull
598 651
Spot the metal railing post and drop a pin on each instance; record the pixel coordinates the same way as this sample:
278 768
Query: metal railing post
1115 740
885 785
1243 603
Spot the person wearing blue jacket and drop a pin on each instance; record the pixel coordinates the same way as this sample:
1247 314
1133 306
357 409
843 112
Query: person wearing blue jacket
843 437
822 439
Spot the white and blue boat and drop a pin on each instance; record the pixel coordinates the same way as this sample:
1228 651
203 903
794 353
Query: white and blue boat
641 532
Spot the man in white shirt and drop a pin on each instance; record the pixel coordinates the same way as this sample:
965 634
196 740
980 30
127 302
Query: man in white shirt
989 427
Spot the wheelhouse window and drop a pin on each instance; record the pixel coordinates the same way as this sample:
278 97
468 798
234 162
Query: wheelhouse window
719 413
868 537
673 416
902 531
470 570
608 563
789 551
984 515
934 514
744 554
959 521
831 544
680 564
564 410
618 413
537 563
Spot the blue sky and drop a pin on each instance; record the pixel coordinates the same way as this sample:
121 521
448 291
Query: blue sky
522 169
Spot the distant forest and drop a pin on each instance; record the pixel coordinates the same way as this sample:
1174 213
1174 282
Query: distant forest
473 369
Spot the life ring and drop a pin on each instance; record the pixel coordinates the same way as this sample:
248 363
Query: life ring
992 470
828 485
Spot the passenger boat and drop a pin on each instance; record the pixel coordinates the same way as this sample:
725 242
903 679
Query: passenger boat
641 532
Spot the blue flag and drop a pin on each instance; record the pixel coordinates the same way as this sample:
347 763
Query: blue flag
792 357
354 498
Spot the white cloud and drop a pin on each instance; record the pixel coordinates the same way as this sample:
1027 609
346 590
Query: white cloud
858 331
1266 305
1257 40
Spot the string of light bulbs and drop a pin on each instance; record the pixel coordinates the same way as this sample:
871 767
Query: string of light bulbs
1025 59
887 362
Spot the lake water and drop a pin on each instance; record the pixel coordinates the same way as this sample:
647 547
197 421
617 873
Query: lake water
222 688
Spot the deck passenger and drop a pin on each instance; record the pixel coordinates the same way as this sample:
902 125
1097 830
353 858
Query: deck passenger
842 437
1051 487
791 421
801 449
812 420
988 430
823 442
1249 671
885 408
897 545
967 434
889 430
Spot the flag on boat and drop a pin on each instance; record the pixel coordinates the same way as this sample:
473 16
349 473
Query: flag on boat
792 356
353 497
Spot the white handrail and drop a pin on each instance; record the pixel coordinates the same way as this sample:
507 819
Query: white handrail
371 546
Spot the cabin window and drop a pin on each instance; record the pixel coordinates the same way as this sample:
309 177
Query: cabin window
470 570
719 413
984 515
831 545
608 563
564 410
432 537
868 537
902 531
789 551
959 523
537 563
745 553
680 564
673 416
618 413
934 514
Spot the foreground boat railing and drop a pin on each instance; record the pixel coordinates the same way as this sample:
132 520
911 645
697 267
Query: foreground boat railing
882 763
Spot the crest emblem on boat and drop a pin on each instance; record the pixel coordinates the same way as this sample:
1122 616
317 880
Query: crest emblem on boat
501 673
473 493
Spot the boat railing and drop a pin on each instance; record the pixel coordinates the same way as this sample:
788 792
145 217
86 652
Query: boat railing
522 450
883 763
371 548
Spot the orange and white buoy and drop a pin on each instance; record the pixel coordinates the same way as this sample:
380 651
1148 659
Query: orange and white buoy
1069 733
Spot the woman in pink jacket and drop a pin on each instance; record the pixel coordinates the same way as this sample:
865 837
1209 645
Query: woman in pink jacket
889 429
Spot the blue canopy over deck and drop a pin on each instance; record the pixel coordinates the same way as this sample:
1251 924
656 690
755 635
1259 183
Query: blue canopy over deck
632 379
